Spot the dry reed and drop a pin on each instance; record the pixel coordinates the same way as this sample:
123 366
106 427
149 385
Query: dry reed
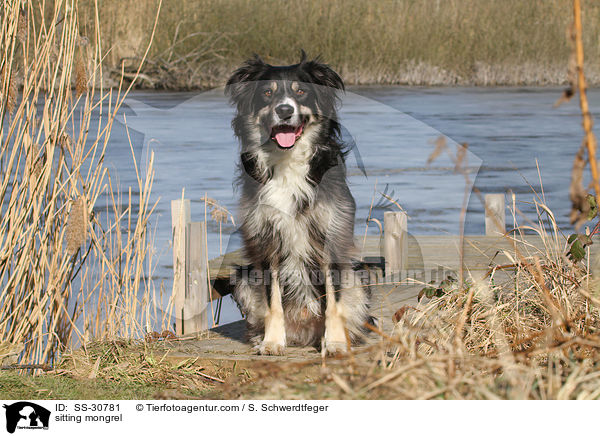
581 207
70 269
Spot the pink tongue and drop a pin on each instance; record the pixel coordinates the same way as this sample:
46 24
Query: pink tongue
285 139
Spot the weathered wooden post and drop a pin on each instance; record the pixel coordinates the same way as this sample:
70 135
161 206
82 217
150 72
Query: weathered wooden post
180 218
395 242
495 215
190 270
196 301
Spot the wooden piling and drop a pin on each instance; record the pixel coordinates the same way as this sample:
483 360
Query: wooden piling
196 301
495 215
180 218
190 270
395 242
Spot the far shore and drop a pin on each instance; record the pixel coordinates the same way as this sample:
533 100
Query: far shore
419 75
198 43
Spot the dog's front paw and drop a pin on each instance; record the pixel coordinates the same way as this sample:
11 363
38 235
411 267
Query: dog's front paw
335 348
271 349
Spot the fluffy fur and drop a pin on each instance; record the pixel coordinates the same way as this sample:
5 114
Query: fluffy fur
297 212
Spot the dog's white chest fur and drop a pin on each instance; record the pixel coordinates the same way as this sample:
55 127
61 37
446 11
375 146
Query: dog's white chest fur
288 185
278 205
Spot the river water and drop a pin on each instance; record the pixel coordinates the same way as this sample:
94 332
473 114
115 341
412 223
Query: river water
510 132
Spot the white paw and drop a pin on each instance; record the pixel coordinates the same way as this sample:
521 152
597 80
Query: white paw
335 348
271 349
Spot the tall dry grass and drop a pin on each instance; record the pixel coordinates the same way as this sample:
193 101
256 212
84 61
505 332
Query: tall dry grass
75 257
482 42
531 331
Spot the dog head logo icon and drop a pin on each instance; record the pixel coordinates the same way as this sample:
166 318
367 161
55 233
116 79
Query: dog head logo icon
24 414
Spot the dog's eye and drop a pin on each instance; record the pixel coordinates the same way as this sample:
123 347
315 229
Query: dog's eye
268 92
300 91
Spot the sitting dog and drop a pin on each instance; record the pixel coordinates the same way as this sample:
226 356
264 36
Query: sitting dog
297 212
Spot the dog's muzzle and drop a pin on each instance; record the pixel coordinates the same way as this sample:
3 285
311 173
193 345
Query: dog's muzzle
285 135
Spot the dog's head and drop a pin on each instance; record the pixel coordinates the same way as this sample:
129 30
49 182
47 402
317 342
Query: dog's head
283 103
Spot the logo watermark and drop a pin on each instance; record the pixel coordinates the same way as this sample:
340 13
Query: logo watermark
25 415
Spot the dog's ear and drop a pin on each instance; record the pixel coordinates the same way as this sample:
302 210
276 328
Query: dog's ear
239 84
322 74
328 84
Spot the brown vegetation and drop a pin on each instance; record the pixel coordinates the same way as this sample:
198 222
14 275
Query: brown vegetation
449 42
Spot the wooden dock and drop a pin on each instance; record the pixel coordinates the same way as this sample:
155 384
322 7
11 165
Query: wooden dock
400 265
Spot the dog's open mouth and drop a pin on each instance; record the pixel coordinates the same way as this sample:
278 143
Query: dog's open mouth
286 136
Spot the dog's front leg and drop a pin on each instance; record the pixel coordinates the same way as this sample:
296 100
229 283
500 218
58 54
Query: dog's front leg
274 341
335 334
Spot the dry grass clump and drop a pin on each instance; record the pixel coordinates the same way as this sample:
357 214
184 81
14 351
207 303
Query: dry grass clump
540 301
530 330
136 362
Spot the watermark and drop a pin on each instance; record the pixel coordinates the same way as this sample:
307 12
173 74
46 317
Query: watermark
345 278
25 415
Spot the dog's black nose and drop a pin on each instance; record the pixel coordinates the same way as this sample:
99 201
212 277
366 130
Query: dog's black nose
284 111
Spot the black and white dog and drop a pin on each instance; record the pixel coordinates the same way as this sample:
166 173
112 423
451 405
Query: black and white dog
297 212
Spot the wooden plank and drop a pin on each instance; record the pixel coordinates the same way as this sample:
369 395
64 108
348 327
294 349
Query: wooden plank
195 314
425 252
180 217
395 242
222 267
495 214
430 257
